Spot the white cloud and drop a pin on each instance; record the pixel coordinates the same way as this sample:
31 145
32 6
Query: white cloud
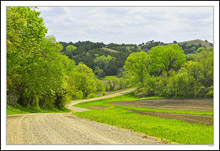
129 24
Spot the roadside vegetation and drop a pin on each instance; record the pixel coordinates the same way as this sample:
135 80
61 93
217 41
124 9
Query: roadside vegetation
164 71
25 110
39 76
169 129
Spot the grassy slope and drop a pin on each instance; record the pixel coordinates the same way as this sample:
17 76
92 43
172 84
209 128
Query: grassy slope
195 42
110 50
170 129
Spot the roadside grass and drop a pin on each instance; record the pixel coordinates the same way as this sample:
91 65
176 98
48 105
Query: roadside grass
24 110
171 130
130 97
11 110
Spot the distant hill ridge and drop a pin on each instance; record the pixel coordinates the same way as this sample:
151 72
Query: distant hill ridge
195 42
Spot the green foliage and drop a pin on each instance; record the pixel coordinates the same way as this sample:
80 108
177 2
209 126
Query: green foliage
91 95
137 67
166 58
87 51
210 91
99 72
25 110
200 49
150 44
39 76
113 83
165 72
85 79
100 86
69 50
149 85
103 63
79 95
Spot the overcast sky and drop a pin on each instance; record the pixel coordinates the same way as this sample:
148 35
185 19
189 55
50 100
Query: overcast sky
129 24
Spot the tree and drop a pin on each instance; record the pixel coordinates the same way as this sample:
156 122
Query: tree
166 58
137 66
69 50
25 31
34 75
85 79
103 62
99 72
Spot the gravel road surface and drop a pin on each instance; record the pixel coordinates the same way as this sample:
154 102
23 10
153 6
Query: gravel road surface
65 128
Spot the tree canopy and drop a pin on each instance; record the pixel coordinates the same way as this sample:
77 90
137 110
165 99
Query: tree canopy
166 58
38 74
137 66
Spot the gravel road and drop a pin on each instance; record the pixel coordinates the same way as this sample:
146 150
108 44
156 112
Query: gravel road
78 109
65 128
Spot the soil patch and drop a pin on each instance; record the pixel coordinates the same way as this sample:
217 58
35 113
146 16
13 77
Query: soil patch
99 107
200 119
175 104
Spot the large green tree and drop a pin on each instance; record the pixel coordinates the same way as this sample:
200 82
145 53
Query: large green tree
166 58
25 31
85 79
34 75
136 66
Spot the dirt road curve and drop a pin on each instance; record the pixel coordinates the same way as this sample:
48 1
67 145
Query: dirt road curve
77 109
65 128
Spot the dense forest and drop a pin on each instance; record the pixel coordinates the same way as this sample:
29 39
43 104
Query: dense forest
109 59
46 74
164 71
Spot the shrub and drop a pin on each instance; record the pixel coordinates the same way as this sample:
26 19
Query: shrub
79 95
91 95
210 92
202 91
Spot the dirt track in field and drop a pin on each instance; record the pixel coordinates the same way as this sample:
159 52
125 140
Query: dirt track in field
175 104
200 119
65 128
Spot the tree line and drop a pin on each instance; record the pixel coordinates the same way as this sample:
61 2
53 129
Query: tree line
165 71
88 52
38 74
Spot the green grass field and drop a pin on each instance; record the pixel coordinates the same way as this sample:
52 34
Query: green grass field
171 130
